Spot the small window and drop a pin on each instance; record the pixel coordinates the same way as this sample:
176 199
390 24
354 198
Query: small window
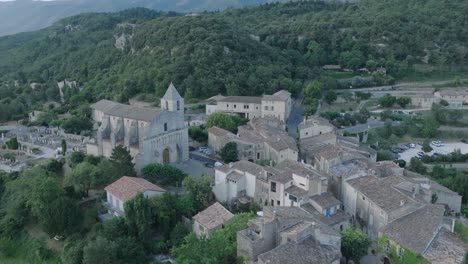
278 203
272 202
235 106
266 107
178 105
167 105
165 126
272 108
258 155
293 198
363 198
273 187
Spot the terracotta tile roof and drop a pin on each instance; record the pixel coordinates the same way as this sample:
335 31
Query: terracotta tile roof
213 216
126 187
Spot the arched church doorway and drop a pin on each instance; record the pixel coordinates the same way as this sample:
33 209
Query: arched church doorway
166 156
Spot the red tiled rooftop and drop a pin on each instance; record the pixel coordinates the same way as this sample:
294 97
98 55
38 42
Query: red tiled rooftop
126 187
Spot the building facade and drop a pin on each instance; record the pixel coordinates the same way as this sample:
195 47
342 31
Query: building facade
277 105
262 139
152 135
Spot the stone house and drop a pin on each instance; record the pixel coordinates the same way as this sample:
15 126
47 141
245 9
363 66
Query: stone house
125 189
373 202
423 100
288 235
455 97
152 135
262 139
328 210
278 105
315 126
428 233
212 218
289 184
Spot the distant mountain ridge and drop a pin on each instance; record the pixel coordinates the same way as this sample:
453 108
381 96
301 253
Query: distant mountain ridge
28 15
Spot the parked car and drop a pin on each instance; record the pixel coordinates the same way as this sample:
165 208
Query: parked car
218 164
209 165
412 145
202 149
464 141
420 153
403 147
191 148
437 143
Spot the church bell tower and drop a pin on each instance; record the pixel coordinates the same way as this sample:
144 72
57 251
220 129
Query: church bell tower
172 101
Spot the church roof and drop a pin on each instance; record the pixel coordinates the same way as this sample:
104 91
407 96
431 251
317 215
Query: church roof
111 108
171 93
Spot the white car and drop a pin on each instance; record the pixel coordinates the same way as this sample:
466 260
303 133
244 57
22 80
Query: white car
412 145
218 164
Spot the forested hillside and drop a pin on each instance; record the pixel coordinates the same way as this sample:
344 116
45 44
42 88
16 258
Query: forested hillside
245 51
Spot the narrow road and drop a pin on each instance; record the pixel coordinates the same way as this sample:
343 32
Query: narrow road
400 85
296 116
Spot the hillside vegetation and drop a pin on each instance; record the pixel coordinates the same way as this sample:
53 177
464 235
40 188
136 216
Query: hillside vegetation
246 51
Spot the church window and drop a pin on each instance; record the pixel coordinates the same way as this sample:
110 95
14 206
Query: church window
167 105
178 106
165 126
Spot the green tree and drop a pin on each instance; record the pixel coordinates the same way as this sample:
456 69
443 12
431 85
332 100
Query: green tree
57 214
426 146
455 116
76 125
163 174
100 251
403 101
354 244
417 166
430 127
330 97
199 191
221 120
64 147
12 143
220 247
122 159
139 218
83 177
229 152
72 251
198 134
76 158
168 209
387 101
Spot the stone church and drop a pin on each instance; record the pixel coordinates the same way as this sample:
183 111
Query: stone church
153 135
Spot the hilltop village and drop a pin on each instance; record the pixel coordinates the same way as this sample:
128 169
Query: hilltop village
307 183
